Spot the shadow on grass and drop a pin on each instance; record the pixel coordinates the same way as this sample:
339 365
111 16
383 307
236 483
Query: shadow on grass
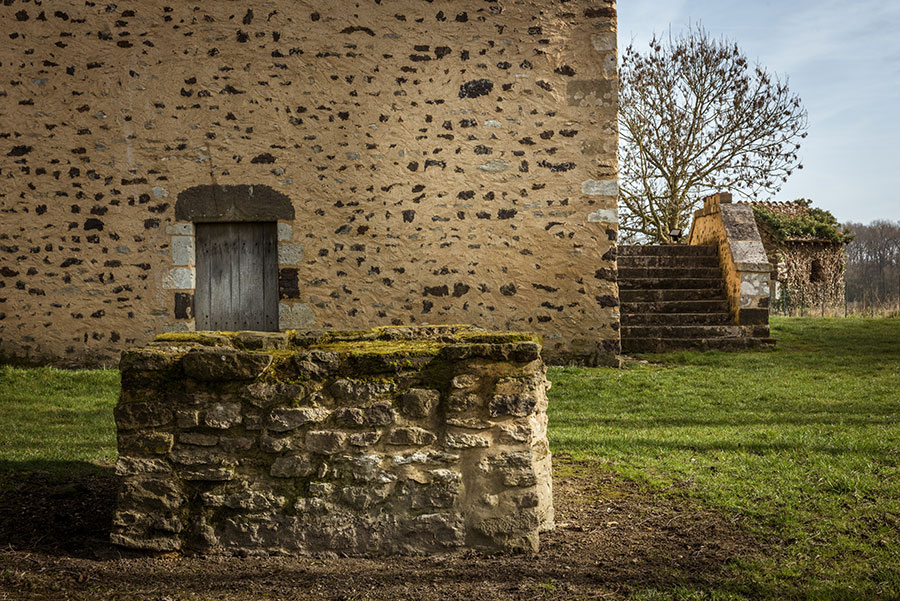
757 448
57 507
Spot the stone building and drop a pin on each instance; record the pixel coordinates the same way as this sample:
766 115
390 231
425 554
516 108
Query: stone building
169 166
806 249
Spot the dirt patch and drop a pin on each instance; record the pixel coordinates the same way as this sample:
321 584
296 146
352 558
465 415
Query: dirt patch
612 538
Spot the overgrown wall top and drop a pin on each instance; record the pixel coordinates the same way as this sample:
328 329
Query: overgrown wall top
447 162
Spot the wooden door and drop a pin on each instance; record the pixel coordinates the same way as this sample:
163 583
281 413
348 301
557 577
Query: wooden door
237 276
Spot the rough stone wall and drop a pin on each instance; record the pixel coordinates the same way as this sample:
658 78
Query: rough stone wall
799 285
396 440
448 162
742 257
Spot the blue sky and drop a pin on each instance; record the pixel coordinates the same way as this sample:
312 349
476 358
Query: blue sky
841 58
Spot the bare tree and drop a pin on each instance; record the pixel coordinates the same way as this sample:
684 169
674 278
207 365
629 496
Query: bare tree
873 262
696 118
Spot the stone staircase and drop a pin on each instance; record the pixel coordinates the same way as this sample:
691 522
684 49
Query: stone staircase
673 298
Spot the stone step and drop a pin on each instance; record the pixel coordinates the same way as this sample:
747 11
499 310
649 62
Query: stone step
664 345
673 294
632 273
668 283
676 319
667 261
679 332
672 250
676 306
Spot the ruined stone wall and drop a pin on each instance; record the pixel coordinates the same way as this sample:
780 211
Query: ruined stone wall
745 269
447 162
808 275
396 440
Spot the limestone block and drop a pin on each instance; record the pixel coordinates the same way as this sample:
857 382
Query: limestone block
296 316
597 93
350 416
285 231
446 530
206 473
180 229
290 254
278 444
146 443
284 419
198 439
147 360
460 401
754 285
159 544
515 433
364 439
605 187
187 418
154 492
437 495
325 442
359 391
238 444
513 404
179 278
604 41
292 466
464 381
136 466
411 436
264 394
471 423
182 250
462 440
380 414
197 455
214 364
604 216
420 402
365 497
142 415
262 340
223 415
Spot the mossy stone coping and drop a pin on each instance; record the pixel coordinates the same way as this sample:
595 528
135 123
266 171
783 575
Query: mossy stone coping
452 341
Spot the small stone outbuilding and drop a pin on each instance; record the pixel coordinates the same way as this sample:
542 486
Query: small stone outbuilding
806 249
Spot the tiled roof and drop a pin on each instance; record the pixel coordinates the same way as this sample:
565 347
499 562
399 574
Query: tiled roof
789 207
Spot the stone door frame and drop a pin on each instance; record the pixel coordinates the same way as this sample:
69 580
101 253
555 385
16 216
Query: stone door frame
230 204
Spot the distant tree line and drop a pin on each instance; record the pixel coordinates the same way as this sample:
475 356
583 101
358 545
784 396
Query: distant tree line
873 265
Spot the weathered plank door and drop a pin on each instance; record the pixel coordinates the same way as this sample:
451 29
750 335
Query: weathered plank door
237 276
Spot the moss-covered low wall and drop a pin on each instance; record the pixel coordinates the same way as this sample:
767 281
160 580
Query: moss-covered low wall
393 440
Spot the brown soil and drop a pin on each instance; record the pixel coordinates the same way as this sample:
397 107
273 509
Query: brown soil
612 538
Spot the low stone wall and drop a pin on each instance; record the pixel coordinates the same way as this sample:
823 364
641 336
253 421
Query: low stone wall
745 267
394 440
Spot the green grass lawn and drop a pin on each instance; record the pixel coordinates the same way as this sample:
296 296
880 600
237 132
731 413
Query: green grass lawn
801 444
804 441
53 416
